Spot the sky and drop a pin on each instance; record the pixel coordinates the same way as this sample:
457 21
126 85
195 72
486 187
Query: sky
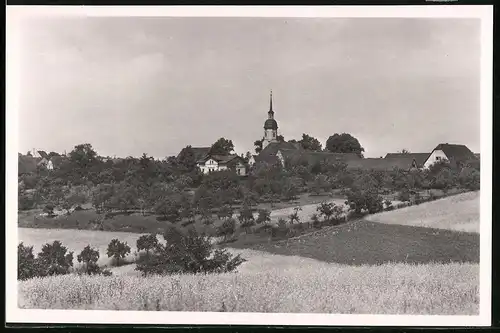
154 85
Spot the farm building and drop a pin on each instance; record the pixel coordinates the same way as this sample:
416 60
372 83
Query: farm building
456 155
211 163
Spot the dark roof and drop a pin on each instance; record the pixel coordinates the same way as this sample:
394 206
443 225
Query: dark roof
268 154
199 152
270 124
455 152
419 158
26 164
221 159
43 154
383 164
318 156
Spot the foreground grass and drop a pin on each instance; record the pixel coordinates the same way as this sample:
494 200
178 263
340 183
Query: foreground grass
450 289
459 212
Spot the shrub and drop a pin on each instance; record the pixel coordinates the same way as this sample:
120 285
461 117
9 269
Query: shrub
26 263
225 212
25 201
264 216
330 211
388 205
227 228
315 221
364 201
89 257
294 217
187 252
117 250
54 259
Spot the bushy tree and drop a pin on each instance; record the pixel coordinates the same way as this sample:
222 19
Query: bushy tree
147 243
310 143
26 263
470 179
117 250
54 259
258 145
344 143
222 146
89 257
187 159
187 252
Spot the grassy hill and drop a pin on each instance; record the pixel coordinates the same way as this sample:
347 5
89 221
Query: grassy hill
459 212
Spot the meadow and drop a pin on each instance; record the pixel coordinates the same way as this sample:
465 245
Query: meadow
312 287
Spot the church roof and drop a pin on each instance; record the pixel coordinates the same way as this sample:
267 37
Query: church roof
271 124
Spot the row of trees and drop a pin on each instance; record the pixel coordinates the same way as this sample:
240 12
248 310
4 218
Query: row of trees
336 143
183 252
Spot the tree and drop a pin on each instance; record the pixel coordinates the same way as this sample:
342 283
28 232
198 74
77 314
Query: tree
246 217
222 147
329 211
26 265
186 159
187 252
89 257
54 259
310 143
258 145
117 250
360 201
83 156
344 143
147 243
404 151
280 138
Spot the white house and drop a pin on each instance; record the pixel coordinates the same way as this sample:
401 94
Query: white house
211 163
456 154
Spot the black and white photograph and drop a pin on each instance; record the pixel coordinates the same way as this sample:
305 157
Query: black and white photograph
258 165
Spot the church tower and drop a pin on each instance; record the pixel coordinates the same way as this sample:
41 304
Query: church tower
270 126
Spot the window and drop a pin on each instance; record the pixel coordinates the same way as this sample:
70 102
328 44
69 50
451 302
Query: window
438 158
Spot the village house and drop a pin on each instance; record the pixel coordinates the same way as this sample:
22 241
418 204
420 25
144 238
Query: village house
456 155
210 163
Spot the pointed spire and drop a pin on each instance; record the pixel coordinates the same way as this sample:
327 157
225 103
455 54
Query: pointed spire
271 101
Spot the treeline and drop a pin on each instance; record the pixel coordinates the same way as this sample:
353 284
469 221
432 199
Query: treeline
184 251
175 190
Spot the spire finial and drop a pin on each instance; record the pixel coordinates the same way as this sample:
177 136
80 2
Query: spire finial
271 101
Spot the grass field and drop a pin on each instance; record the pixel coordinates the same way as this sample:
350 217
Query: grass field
459 212
370 243
315 288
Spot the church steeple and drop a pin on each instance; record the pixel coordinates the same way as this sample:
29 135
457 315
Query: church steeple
271 112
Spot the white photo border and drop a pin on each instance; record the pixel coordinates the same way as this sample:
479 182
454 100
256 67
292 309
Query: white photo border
15 14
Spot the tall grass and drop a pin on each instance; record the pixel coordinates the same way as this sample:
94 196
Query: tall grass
326 288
